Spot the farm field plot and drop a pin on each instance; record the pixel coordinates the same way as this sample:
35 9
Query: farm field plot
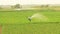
21 17
16 22
31 29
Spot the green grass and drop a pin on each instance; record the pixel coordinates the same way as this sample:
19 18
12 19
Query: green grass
31 29
18 17
16 22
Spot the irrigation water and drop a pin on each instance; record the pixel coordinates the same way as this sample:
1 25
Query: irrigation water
39 17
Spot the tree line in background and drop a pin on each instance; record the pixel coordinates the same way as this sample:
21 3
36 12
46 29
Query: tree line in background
13 6
19 6
16 6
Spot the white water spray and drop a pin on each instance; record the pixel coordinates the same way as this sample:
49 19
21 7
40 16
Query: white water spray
39 17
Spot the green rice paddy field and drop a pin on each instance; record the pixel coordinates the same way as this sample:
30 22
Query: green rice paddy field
16 22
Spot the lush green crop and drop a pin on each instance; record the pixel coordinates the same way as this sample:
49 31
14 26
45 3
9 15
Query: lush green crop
16 22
